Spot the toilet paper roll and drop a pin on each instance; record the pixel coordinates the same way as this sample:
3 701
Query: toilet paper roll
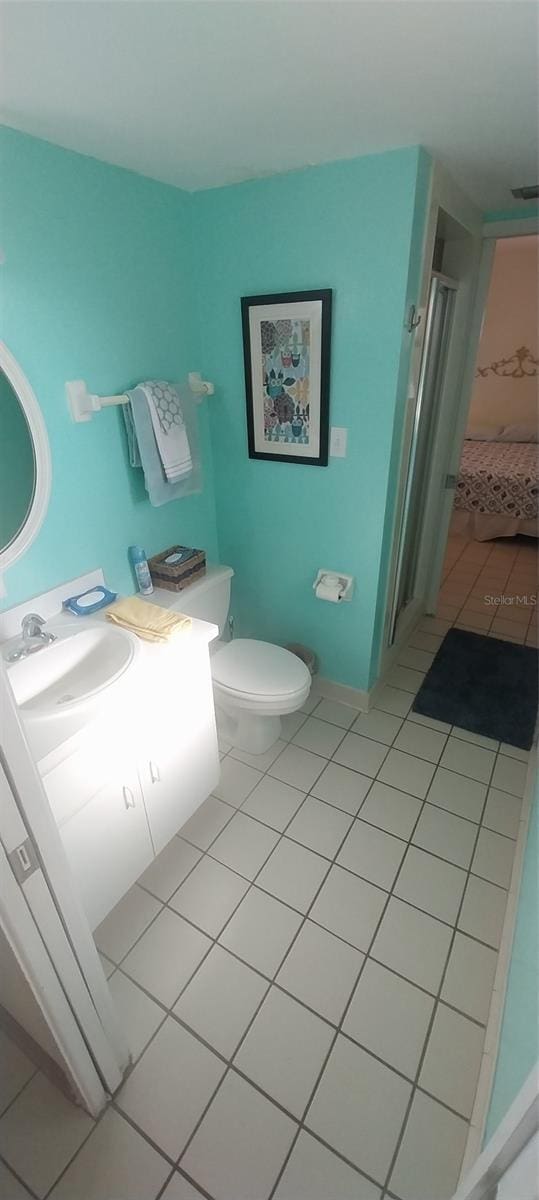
329 588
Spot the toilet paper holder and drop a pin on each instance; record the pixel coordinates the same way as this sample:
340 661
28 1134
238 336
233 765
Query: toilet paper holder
342 584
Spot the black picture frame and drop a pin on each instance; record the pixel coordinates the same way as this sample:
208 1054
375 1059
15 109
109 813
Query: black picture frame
298 420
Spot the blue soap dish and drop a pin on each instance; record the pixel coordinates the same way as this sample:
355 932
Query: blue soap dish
90 601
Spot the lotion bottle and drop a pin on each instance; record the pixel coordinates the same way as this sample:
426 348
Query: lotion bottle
140 566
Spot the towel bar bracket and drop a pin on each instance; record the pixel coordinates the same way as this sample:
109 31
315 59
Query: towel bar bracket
83 404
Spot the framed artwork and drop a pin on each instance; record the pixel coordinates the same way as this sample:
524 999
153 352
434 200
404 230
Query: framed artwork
286 347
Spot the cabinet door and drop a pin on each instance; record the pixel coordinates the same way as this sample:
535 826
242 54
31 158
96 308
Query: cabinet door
181 764
96 761
176 779
108 845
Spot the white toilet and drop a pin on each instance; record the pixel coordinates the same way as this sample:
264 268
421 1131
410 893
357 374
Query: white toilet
254 683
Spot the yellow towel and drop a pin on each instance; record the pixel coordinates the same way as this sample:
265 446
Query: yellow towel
148 621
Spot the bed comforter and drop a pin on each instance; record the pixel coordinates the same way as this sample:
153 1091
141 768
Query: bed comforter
499 477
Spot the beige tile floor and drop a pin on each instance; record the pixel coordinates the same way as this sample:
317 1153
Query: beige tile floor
491 587
305 974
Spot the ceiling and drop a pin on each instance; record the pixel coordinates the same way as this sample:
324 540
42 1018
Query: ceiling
201 93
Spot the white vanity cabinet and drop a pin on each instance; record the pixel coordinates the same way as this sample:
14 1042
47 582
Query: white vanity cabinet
108 844
127 781
178 759
94 792
176 776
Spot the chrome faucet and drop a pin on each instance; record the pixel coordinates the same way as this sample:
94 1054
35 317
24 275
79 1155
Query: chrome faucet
34 637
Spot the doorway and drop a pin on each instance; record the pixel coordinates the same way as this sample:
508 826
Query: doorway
489 572
436 433
442 331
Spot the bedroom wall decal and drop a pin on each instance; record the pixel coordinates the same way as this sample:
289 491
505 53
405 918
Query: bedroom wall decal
507 366
286 348
520 365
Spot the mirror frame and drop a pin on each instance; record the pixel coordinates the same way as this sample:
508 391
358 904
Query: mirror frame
42 455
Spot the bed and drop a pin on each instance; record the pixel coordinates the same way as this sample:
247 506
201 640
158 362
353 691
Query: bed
497 490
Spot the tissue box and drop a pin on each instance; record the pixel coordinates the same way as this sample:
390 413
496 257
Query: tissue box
177 567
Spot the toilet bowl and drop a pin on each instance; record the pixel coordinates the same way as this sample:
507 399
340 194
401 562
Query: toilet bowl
255 684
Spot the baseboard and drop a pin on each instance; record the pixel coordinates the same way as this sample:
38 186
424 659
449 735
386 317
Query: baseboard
354 697
493 1030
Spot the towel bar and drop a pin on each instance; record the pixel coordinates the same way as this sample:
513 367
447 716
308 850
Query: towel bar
83 404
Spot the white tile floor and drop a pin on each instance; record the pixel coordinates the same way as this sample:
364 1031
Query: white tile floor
305 974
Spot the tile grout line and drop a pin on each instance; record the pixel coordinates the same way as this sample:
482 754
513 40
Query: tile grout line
437 1002
252 883
390 894
96 1121
495 614
17 1176
265 994
24 1085
347 1006
275 973
349 871
165 904
214 941
282 834
256 970
280 964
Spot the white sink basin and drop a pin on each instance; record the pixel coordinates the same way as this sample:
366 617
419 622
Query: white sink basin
83 661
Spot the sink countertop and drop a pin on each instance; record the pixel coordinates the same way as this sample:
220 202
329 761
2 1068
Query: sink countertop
47 736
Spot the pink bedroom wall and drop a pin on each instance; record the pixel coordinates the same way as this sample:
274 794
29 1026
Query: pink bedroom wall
511 321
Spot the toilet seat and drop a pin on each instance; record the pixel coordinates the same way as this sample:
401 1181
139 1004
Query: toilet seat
254 674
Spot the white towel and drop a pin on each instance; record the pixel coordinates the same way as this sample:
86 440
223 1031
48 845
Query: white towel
169 428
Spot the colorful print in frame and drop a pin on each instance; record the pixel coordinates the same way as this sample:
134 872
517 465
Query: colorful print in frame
286 347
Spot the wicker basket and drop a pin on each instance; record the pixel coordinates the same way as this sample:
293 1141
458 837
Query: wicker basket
178 574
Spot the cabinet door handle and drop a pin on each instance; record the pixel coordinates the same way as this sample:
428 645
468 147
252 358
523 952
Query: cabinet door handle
129 799
154 772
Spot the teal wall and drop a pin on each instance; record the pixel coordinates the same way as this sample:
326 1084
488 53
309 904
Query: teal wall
347 226
113 278
519 1043
525 212
97 270
17 476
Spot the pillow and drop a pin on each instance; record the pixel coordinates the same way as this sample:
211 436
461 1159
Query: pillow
484 433
518 433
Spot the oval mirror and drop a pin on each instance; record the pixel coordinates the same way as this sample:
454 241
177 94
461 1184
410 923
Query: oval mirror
24 462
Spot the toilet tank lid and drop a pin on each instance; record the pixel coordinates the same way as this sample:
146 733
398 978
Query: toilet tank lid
258 668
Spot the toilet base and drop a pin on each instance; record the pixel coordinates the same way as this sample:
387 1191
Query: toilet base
246 730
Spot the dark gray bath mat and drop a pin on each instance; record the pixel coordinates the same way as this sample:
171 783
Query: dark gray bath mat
485 685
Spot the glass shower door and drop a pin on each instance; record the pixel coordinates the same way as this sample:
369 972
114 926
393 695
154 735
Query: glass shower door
438 329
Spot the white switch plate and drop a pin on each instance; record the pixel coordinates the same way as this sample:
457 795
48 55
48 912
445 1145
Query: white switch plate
337 442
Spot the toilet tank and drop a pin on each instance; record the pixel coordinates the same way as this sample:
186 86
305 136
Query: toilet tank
208 598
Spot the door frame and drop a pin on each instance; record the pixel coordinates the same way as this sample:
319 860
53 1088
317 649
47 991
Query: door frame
439 507
59 958
520 1123
406 618
448 460
492 233
30 953
446 197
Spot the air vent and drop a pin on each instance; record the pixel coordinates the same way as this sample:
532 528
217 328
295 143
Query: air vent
526 193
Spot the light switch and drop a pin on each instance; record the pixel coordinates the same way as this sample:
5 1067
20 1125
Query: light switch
337 442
